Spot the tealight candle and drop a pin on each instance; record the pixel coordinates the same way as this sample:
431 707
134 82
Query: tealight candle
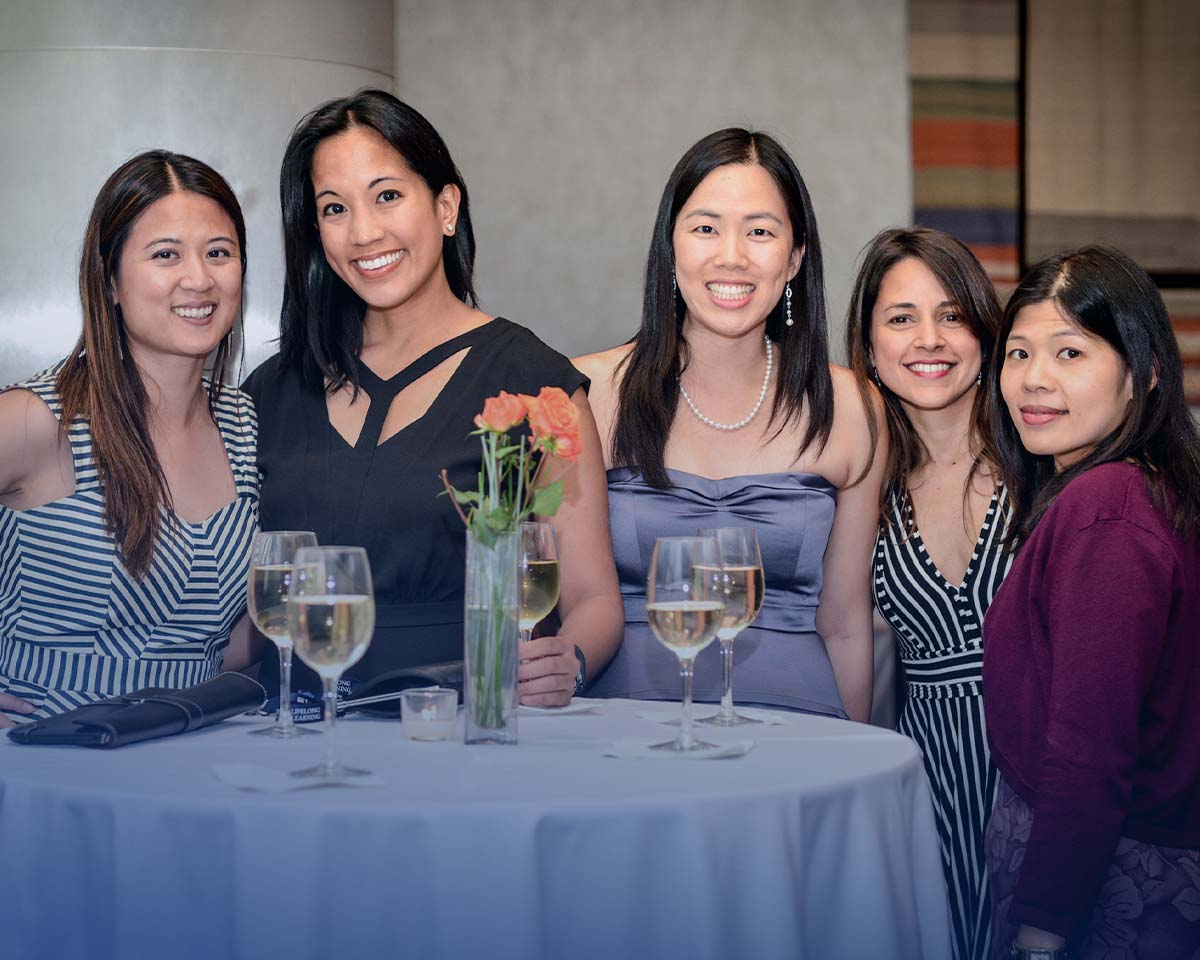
427 713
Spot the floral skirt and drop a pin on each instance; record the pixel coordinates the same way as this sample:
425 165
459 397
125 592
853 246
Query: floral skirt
1148 908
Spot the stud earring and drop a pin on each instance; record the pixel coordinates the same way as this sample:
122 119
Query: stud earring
449 228
787 296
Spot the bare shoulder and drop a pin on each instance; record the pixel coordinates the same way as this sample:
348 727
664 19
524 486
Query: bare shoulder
603 369
851 433
30 440
848 407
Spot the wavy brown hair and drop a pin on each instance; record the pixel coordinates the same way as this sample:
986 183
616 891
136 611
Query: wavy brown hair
99 381
968 287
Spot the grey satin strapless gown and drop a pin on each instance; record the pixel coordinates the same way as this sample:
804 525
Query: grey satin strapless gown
778 661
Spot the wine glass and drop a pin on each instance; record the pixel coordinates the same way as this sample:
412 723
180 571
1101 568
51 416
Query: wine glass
742 575
331 616
538 568
271 554
685 603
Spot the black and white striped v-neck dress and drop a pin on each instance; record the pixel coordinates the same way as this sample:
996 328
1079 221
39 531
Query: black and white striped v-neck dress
75 626
939 633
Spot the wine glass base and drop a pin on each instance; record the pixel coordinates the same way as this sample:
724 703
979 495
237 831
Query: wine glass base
277 732
678 746
337 772
737 720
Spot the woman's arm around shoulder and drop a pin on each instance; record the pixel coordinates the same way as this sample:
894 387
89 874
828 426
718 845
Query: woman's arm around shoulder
604 370
589 601
844 615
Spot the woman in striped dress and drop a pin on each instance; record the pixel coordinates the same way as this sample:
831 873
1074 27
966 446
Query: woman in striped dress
922 323
128 485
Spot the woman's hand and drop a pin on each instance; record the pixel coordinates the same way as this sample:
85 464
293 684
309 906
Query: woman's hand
547 671
13 705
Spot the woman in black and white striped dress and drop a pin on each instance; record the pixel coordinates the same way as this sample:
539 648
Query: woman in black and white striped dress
922 323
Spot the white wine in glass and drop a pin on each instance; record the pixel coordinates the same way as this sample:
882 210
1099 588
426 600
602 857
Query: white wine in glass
331 617
271 555
742 578
685 604
539 575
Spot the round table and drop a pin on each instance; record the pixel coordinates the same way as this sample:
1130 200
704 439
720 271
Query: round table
820 842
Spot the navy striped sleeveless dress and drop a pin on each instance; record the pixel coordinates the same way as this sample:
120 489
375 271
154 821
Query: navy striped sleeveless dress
76 627
939 634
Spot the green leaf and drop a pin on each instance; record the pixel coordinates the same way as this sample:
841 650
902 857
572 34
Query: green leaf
546 500
465 496
481 531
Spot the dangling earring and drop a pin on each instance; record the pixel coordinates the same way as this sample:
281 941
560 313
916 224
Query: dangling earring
979 379
787 297
875 376
673 285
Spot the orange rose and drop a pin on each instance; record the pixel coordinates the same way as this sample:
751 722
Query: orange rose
502 413
554 420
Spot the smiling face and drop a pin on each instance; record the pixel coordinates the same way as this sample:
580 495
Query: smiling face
921 344
381 226
1065 389
179 278
734 249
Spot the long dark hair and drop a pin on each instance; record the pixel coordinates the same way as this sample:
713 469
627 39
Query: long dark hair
968 287
1109 296
649 393
100 380
320 329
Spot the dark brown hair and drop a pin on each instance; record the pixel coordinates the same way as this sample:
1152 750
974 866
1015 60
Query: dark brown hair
1111 297
99 380
649 390
968 287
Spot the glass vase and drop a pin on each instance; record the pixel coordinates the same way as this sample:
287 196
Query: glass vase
490 640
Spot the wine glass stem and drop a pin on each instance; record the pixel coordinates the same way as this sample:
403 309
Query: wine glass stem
329 767
685 724
727 677
283 719
526 635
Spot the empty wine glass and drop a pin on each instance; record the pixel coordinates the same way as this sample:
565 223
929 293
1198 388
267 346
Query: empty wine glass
685 603
742 576
271 555
331 617
538 567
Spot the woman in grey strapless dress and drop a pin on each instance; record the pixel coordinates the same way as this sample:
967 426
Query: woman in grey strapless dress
724 411
792 514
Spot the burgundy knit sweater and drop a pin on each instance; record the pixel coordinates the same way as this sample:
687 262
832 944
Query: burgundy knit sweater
1091 689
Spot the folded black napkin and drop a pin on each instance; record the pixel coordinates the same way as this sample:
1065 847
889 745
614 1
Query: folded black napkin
146 714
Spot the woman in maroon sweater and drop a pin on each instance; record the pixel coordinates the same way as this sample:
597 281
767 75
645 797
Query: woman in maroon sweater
1092 645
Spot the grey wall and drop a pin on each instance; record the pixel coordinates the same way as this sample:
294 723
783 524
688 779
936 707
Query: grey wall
88 83
566 116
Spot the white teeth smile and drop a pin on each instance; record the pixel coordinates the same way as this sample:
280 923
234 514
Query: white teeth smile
194 313
380 261
929 367
730 291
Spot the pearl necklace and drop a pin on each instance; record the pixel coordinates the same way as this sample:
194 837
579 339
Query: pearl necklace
762 395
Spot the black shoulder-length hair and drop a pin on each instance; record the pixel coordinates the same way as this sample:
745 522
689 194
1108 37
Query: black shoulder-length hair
1109 296
969 289
320 329
649 390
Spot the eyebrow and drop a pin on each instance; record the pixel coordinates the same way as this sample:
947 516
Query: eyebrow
177 240
913 306
374 183
1065 332
750 216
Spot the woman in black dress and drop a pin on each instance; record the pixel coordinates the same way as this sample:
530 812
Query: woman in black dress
384 360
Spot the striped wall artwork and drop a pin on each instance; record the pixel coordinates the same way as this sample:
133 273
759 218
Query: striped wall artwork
964 59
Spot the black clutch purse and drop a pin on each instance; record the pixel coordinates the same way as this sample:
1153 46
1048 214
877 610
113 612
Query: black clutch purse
145 714
380 696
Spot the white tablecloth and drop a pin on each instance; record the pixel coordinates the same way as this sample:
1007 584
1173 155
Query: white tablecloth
819 843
